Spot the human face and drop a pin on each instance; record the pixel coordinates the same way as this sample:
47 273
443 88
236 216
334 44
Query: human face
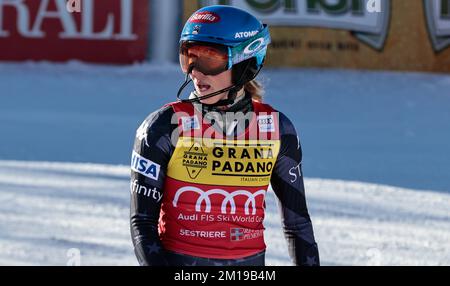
206 84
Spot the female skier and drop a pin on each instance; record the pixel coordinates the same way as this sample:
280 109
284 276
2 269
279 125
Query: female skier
201 166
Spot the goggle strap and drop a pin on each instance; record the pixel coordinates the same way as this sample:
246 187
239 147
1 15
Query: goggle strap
230 58
238 51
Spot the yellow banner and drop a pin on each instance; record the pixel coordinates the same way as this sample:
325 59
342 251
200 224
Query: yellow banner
224 162
411 35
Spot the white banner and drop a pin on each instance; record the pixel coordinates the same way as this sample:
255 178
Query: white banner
438 19
368 19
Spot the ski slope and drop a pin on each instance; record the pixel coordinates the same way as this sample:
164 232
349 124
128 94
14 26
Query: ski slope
49 209
375 148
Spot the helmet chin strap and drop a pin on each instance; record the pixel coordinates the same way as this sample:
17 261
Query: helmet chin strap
232 90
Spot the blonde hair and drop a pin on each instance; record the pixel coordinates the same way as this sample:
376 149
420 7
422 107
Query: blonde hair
255 89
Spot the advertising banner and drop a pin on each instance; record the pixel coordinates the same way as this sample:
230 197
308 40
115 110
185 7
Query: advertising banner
104 31
368 34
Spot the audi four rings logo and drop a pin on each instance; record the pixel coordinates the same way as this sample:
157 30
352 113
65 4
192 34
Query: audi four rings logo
228 199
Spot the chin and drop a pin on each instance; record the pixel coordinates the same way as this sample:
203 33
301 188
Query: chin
200 94
210 100
203 93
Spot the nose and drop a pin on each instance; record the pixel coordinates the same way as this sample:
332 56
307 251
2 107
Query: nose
197 74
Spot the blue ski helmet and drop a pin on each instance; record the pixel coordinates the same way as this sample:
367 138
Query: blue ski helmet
242 33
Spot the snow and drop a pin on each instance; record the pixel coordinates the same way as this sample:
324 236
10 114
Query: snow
47 209
375 149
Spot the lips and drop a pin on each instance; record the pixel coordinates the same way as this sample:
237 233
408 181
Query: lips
202 87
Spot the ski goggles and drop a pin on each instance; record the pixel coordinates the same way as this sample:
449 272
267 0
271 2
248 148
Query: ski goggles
213 59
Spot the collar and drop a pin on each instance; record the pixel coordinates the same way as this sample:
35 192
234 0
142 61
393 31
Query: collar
240 104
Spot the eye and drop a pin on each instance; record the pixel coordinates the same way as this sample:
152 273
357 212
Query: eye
214 53
193 53
192 56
